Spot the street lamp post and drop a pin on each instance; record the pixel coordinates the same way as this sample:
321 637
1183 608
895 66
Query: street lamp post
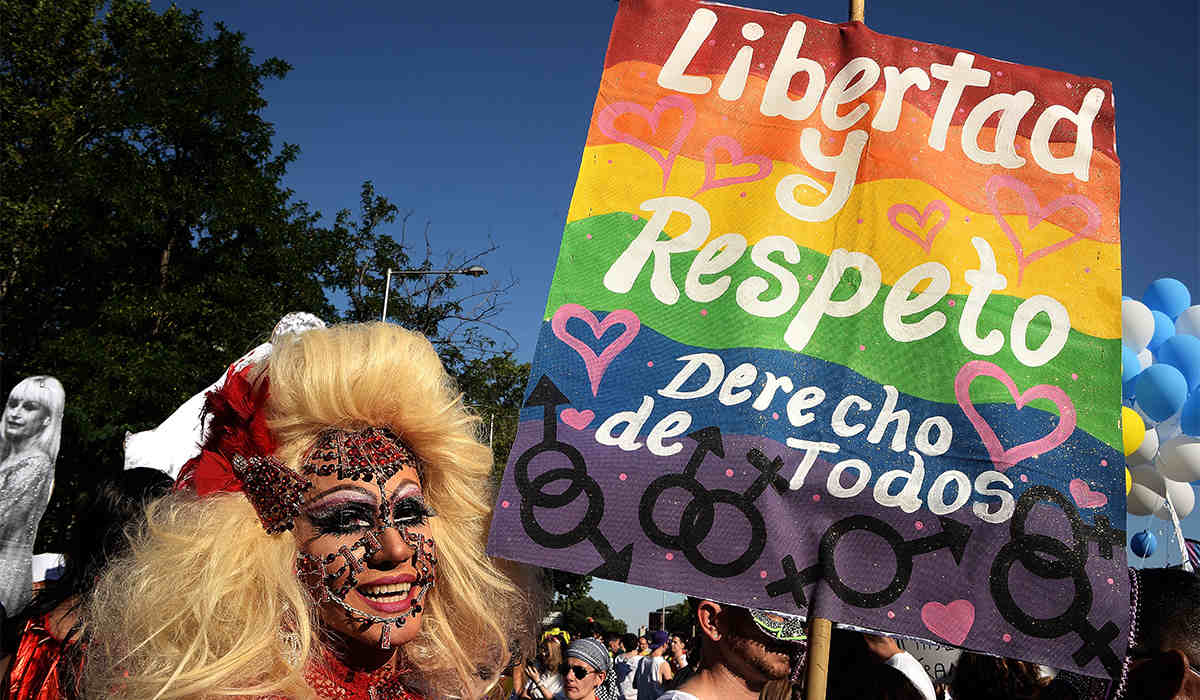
472 271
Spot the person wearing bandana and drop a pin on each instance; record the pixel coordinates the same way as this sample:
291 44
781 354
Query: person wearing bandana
327 542
587 672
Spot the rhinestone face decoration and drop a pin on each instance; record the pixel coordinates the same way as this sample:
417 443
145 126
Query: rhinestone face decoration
373 456
276 492
321 575
361 455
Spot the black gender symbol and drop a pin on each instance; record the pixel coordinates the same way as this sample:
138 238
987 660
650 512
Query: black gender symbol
954 536
533 494
1063 562
696 522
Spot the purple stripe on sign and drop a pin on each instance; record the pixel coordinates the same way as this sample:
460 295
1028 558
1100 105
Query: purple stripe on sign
746 520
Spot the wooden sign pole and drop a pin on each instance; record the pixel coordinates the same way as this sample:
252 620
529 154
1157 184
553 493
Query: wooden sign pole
819 632
857 11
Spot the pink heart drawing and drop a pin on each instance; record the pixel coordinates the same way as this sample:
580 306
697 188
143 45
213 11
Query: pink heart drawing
1035 214
1002 458
922 218
1084 496
951 622
577 419
596 364
734 149
606 121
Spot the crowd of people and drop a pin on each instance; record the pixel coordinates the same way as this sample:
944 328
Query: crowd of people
327 540
744 654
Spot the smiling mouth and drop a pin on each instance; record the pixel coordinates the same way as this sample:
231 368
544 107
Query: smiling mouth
389 593
391 597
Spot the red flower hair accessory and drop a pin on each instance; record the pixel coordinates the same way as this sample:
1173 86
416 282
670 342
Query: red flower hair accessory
236 455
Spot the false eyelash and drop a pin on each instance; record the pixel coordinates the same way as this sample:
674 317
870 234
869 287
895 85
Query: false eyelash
412 511
342 519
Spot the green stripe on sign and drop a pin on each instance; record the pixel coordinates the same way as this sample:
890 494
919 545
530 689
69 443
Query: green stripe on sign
925 368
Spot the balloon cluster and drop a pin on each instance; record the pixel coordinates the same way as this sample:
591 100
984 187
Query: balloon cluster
1160 375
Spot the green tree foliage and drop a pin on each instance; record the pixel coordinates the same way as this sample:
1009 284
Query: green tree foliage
147 239
568 587
681 617
585 612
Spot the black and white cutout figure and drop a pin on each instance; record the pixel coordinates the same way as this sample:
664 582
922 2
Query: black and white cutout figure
29 439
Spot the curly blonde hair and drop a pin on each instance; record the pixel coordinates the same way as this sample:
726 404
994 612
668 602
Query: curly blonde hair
207 604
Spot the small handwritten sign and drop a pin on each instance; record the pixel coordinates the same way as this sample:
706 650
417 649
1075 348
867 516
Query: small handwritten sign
938 660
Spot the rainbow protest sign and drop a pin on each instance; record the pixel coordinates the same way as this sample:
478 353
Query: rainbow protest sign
834 330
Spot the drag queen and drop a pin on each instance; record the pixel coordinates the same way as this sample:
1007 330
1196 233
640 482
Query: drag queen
328 541
29 439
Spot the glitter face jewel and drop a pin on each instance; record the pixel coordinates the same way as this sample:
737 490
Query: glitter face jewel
360 455
276 492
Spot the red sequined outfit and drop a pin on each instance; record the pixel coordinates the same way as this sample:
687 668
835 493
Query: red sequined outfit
34 674
333 680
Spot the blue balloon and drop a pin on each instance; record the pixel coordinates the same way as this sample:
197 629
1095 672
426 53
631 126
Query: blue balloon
1130 367
1129 389
1143 544
1164 328
1189 418
1183 353
1161 390
1167 295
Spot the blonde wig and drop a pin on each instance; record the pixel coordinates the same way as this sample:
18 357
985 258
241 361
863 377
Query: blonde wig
47 391
207 604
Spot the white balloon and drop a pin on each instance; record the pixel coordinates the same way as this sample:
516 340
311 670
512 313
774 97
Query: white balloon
1183 498
1147 493
1146 452
1179 459
1188 322
1145 358
1137 324
1168 429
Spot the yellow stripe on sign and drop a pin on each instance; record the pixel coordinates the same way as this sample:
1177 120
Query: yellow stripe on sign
1082 275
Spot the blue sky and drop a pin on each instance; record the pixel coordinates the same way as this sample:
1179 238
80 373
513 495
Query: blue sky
474 114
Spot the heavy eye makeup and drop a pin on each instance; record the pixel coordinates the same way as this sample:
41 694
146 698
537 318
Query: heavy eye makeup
411 511
348 511
341 517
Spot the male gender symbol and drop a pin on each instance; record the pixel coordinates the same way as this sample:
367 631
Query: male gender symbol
699 515
534 495
954 536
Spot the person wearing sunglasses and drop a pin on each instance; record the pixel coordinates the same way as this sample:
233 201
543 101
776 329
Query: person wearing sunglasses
586 671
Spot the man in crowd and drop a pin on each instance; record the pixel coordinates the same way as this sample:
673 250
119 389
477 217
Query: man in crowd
741 651
653 672
613 641
625 665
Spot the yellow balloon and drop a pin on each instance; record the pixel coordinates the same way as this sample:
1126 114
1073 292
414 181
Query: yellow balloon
1128 481
1133 430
